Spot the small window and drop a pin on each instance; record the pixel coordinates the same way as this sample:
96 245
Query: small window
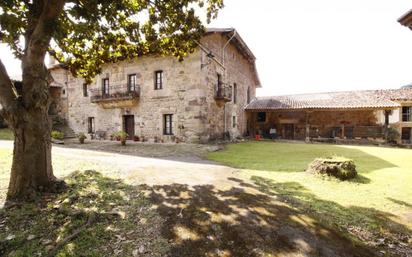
90 122
234 93
105 86
168 124
234 123
85 93
407 114
131 83
248 95
261 117
158 79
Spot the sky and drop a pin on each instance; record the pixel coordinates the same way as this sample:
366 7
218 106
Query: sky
306 46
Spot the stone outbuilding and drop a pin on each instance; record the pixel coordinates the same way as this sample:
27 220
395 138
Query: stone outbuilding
351 115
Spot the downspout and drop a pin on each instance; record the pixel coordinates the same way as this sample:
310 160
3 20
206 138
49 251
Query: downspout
224 79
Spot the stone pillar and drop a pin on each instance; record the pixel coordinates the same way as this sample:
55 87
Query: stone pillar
386 125
307 125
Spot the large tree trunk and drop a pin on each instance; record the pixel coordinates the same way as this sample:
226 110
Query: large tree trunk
32 166
26 109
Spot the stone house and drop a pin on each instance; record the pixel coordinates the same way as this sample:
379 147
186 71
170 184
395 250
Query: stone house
350 116
197 100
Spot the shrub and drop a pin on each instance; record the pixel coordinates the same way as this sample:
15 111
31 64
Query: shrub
338 167
393 135
81 137
122 136
57 135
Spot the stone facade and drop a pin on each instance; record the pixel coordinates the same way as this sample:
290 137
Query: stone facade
188 93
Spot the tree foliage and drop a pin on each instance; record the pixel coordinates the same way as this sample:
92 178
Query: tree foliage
89 33
83 35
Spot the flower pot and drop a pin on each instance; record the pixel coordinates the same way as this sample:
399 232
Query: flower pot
81 140
123 142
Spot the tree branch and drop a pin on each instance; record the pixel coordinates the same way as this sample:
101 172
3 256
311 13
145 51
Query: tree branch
8 95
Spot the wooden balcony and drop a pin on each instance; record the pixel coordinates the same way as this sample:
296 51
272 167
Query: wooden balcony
223 93
119 96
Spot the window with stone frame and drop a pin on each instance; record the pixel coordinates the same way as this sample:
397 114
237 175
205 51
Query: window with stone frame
168 124
105 86
234 93
407 114
90 125
234 121
131 82
85 92
158 80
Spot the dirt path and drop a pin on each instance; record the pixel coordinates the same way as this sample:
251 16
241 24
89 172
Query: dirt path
209 210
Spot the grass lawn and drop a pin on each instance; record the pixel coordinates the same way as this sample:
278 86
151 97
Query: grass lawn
6 134
107 216
376 204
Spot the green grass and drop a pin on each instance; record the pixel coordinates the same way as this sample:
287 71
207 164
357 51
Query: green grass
379 201
6 134
116 229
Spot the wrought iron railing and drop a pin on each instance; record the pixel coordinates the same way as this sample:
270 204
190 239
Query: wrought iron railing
115 93
223 92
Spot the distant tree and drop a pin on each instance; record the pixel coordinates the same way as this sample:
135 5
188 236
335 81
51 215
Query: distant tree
83 35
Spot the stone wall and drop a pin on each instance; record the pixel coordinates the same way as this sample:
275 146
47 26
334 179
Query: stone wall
238 70
188 94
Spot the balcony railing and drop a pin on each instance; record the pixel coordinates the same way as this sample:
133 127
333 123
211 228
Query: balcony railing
223 92
115 93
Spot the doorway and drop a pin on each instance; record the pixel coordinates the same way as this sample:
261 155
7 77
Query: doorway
128 126
289 131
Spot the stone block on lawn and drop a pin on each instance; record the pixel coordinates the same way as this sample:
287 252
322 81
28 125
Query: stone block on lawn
338 167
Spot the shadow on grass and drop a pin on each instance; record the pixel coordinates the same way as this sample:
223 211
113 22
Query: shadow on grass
295 157
375 227
122 221
205 221
399 202
178 220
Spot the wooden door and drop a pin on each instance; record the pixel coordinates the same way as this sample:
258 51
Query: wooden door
128 125
289 131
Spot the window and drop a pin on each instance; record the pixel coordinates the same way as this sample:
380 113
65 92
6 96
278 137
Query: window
105 86
261 117
248 95
90 123
85 93
219 81
168 124
131 83
234 122
234 93
158 79
406 134
407 113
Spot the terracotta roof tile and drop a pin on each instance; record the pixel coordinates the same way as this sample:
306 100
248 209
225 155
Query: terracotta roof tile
374 99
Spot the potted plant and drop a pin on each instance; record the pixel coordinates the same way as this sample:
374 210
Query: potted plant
112 136
57 135
81 137
122 136
136 138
